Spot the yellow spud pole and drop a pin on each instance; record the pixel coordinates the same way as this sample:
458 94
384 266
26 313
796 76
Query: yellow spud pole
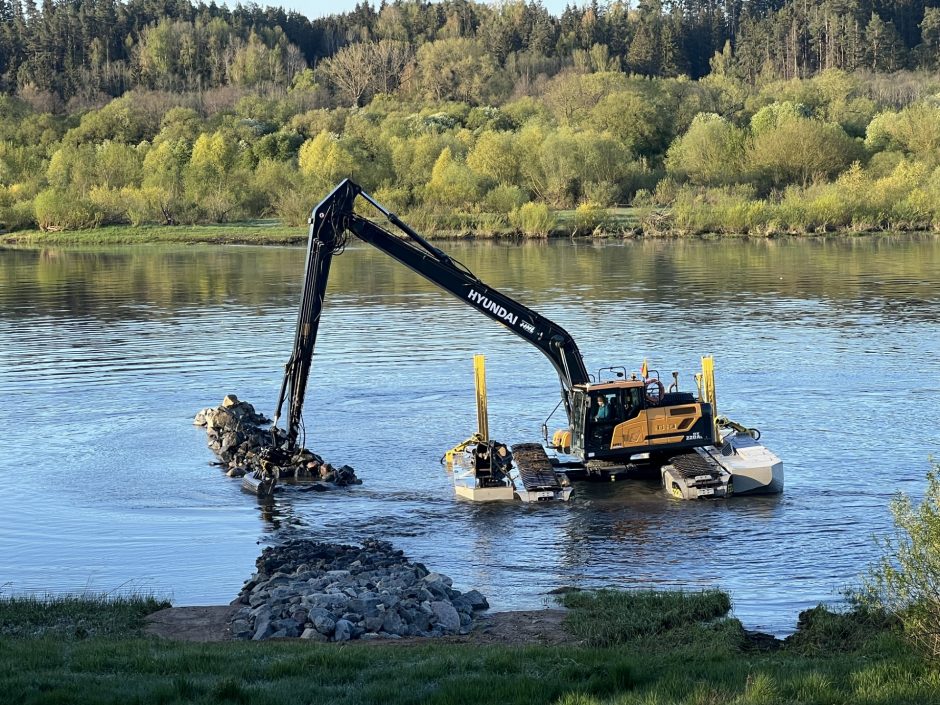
479 378
708 391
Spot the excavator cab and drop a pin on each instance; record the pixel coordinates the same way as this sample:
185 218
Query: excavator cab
625 418
598 410
608 408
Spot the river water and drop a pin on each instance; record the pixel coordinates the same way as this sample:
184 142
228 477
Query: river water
828 346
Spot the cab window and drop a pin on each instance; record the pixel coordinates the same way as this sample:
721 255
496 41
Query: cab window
615 406
609 408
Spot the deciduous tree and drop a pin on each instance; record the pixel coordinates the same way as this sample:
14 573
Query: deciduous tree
711 152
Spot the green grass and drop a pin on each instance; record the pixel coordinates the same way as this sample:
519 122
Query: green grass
265 232
255 232
75 616
619 221
822 631
612 617
659 648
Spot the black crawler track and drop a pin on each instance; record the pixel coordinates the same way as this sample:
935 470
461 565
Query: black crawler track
535 469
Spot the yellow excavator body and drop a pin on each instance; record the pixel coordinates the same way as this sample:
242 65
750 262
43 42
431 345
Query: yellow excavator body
656 426
640 417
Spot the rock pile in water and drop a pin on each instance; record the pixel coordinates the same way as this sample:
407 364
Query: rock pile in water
240 437
329 592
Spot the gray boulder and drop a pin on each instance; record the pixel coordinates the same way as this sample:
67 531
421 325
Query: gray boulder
446 616
422 622
344 630
393 623
241 629
323 620
289 626
476 599
263 629
313 635
373 622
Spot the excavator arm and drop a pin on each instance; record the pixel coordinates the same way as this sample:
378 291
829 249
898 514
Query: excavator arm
331 222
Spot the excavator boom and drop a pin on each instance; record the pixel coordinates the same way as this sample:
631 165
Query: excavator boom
330 224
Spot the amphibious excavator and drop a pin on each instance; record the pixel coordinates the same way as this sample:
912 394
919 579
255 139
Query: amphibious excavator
618 423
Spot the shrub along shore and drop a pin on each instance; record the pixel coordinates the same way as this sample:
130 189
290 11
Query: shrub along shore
629 647
604 223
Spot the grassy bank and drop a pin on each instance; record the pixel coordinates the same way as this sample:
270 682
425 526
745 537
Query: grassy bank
256 232
74 617
637 648
701 219
616 222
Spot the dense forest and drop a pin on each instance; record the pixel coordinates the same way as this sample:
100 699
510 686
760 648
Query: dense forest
91 47
760 116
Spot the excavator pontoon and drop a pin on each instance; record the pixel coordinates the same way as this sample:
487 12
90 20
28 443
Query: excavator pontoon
618 423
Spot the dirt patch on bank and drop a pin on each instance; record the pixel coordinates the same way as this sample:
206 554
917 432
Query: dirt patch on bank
544 627
511 628
192 623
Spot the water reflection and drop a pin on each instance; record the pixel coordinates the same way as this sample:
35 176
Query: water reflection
107 353
896 274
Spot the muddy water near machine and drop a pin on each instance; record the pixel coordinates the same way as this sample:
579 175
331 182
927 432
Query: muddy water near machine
828 346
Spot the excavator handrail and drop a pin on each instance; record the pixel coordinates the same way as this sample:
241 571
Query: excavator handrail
331 220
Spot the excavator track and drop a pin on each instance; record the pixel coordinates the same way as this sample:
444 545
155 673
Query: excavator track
693 465
535 469
695 475
539 480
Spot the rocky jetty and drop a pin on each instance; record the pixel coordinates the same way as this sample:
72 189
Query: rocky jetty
244 443
329 592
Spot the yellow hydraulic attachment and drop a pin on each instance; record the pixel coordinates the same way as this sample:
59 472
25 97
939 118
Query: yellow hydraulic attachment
460 448
725 422
561 440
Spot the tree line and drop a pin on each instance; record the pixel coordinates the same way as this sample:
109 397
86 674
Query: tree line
87 49
461 116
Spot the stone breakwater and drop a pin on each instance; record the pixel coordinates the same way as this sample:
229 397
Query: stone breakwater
242 439
329 592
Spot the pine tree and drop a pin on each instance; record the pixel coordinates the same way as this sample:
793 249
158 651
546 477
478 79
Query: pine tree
644 56
672 60
930 36
885 49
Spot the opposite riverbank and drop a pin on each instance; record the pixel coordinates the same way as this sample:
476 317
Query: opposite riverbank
620 223
266 232
634 647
